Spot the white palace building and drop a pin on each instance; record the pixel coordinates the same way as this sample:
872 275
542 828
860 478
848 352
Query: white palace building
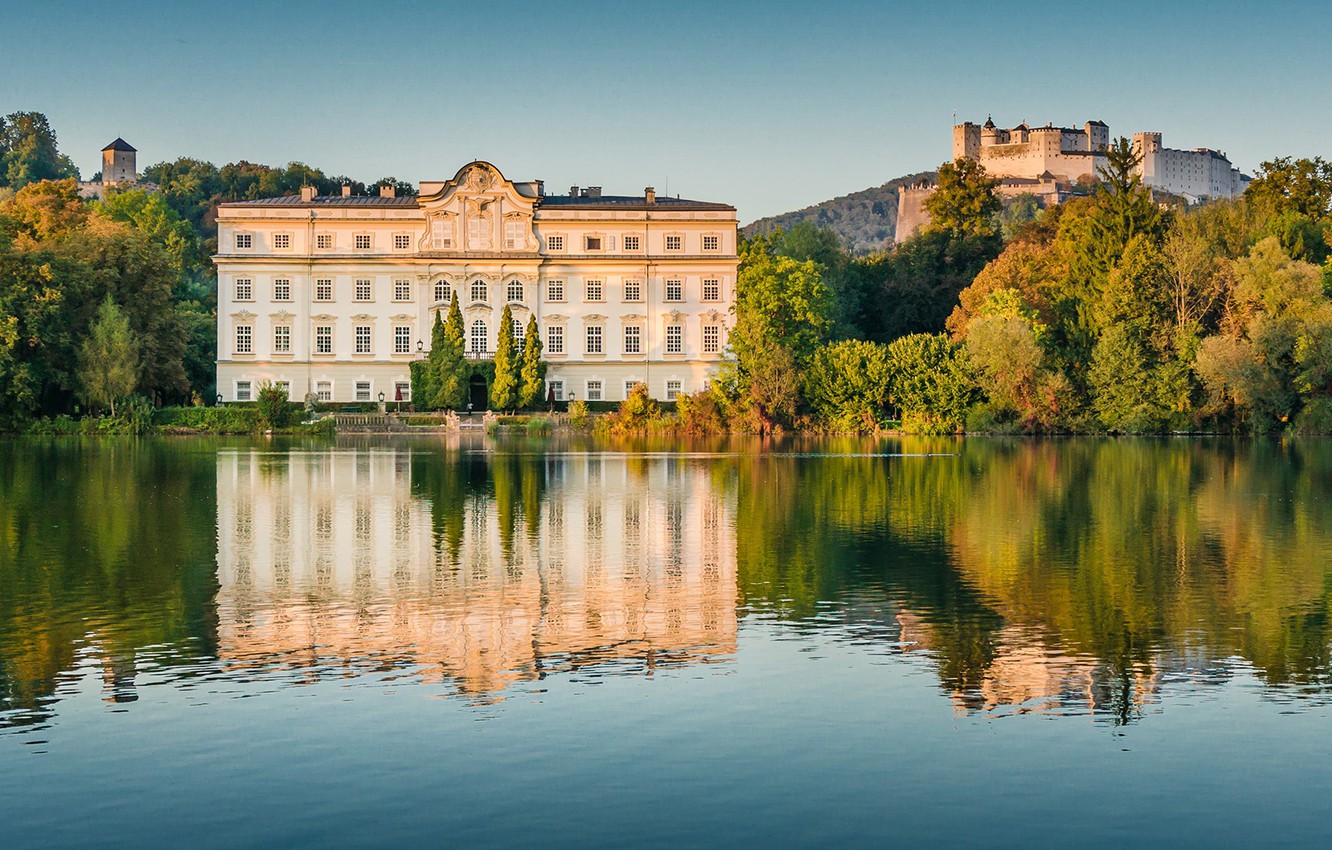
335 295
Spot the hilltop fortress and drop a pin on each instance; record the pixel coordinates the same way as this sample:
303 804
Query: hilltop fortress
1054 163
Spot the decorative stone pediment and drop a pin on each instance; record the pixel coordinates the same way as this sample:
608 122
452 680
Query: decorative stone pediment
282 316
363 317
674 316
244 316
322 317
713 315
478 211
556 317
595 317
633 317
402 317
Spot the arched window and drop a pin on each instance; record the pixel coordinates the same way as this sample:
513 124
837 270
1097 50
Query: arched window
442 293
518 330
479 290
515 292
478 341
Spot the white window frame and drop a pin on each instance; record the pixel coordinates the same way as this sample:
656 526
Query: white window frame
366 294
667 285
555 242
323 289
716 242
674 339
594 385
248 387
555 339
364 335
555 290
281 289
363 242
635 245
324 242
244 339
713 346
320 339
633 339
405 386
485 292
510 288
244 241
281 241
594 290
711 289
243 288
369 389
515 237
402 289
636 294
402 339
478 343
443 292
594 340
675 238
282 339
402 241
557 388
321 394
673 389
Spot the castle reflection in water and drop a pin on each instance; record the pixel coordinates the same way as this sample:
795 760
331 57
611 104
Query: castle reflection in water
480 574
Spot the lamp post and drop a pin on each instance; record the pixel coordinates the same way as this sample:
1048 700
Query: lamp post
219 398
381 403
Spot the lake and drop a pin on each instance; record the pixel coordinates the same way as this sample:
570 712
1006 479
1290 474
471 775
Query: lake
480 642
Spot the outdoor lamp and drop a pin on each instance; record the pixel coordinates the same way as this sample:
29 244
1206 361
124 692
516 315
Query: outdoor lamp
381 398
420 346
219 398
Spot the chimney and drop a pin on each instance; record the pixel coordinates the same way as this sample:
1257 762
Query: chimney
541 188
583 193
346 190
387 192
307 193
594 191
573 191
650 194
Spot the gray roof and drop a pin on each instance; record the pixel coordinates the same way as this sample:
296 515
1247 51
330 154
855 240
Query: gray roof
631 202
326 201
564 202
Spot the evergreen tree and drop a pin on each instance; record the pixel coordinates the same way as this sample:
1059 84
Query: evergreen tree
533 370
426 389
504 391
109 359
457 332
447 367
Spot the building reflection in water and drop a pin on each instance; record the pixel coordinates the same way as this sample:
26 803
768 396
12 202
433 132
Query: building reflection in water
497 571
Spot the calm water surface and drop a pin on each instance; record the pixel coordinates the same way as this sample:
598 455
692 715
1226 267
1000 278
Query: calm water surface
982 643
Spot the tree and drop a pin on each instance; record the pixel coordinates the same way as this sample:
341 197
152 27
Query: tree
1006 359
28 151
454 324
965 202
778 301
444 379
508 365
533 371
109 358
847 384
931 383
1302 186
919 283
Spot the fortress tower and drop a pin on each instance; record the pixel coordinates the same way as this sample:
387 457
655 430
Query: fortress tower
118 164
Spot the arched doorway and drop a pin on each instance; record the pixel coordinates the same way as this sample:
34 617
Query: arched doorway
476 392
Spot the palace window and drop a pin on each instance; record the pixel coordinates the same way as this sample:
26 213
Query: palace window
594 339
281 289
244 339
402 339
362 242
362 289
479 291
519 333
514 237
515 291
441 234
629 386
402 390
593 289
674 339
672 390
281 240
281 339
244 289
324 289
674 243
242 391
711 289
633 339
478 340
711 243
401 241
244 240
631 242
362 339
633 289
554 290
674 290
402 290
555 339
591 243
323 339
324 240
556 388
594 390
478 231
711 339
324 391
555 243
442 293
363 390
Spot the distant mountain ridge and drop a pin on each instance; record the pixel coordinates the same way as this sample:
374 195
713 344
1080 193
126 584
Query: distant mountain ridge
865 221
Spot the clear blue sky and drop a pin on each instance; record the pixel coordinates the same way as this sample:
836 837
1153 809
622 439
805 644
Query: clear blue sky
770 106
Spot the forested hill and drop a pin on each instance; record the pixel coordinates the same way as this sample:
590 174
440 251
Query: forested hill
865 221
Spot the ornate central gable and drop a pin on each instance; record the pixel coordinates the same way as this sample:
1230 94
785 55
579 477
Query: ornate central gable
478 211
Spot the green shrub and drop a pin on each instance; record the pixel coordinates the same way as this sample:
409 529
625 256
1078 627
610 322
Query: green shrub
578 413
990 418
1316 417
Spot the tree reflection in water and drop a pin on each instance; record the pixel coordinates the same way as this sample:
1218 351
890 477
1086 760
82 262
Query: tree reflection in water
1054 576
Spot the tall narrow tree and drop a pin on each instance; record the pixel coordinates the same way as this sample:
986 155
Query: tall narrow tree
447 364
504 391
109 359
533 371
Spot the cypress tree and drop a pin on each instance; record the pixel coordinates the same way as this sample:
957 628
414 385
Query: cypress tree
504 392
533 371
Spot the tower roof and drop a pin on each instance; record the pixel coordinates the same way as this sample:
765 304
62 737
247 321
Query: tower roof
119 145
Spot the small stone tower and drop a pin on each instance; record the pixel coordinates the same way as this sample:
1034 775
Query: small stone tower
118 165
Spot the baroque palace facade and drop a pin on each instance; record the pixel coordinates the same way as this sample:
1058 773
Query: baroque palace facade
335 295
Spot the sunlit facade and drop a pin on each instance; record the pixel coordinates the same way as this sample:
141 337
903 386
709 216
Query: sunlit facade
334 295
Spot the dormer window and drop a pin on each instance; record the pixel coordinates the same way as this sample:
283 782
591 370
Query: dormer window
555 243
711 243
401 241
674 243
362 242
244 241
324 241
281 241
